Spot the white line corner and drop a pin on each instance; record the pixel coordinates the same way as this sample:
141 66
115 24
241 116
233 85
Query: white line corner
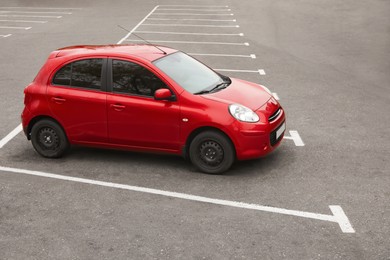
341 219
296 138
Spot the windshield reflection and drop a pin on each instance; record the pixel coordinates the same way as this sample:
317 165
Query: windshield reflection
190 74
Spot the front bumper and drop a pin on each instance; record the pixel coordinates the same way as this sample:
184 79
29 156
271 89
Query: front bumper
257 140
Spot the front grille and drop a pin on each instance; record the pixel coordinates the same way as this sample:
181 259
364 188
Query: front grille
274 115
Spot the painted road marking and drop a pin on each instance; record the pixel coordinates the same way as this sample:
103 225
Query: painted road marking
11 135
252 56
190 14
189 19
30 16
14 27
260 71
23 21
342 219
295 137
30 12
190 25
191 33
202 10
35 7
5 35
338 216
206 6
219 43
135 28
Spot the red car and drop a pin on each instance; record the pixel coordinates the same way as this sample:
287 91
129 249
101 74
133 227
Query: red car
149 98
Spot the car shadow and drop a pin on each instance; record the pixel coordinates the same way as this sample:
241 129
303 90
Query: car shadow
116 161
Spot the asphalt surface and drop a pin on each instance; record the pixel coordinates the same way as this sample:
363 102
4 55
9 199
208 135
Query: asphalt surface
329 63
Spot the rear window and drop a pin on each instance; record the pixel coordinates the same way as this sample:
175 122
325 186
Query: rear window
82 74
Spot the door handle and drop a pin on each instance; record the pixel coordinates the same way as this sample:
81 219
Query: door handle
118 107
58 100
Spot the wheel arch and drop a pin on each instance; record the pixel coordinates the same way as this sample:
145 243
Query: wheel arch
195 132
39 118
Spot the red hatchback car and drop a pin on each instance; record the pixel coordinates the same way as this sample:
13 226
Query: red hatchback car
148 98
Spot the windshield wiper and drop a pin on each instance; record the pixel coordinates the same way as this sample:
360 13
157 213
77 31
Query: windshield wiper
217 87
202 92
224 84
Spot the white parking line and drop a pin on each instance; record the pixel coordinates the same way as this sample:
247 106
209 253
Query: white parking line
32 12
252 56
135 28
11 135
15 27
30 16
190 25
295 137
218 43
189 19
202 10
338 216
260 71
190 33
342 219
36 7
190 14
23 21
5 35
206 6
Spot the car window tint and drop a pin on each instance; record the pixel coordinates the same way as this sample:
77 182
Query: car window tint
131 78
83 74
63 76
87 73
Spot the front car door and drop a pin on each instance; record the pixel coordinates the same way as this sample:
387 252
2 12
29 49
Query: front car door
135 118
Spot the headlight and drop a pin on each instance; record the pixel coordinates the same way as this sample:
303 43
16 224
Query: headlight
243 113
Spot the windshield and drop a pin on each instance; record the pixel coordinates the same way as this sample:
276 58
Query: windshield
189 73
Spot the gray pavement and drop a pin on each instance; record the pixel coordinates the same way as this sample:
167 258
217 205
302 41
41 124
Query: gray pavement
329 63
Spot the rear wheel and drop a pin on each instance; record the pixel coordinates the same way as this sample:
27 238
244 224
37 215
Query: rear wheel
212 152
48 139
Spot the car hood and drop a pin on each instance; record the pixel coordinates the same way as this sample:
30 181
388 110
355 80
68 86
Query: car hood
242 92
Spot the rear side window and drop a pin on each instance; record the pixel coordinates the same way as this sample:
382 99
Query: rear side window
82 74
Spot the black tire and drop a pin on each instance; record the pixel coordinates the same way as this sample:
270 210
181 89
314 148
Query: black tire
212 152
48 139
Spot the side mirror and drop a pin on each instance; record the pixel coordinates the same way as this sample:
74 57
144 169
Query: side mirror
164 94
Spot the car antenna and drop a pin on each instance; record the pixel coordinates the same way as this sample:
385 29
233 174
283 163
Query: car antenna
142 39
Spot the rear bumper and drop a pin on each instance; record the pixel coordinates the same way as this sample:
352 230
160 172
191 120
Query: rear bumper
26 117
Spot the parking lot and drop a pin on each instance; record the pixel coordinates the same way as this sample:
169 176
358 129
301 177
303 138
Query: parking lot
323 194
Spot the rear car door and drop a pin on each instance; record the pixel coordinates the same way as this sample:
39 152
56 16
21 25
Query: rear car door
135 118
77 99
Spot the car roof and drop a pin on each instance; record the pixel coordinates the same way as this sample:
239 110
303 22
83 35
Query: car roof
145 51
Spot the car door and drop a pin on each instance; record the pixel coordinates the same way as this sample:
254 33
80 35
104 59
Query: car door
135 118
77 99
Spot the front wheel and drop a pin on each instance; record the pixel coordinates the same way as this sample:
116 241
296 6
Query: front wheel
212 152
48 139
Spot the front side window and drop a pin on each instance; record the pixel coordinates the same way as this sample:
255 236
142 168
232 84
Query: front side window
82 74
131 78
